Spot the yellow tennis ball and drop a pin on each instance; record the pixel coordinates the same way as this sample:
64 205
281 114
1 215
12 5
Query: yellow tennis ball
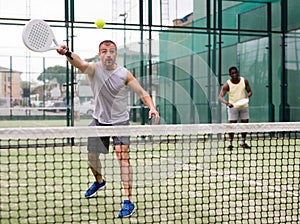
99 23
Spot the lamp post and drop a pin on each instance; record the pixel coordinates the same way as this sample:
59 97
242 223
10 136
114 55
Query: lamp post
124 15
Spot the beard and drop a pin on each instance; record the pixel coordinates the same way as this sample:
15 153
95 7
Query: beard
109 62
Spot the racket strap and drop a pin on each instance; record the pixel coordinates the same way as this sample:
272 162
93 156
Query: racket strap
69 54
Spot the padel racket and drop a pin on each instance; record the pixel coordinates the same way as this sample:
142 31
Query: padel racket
241 102
38 36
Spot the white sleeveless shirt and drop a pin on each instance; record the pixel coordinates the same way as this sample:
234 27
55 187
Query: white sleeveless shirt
237 91
111 95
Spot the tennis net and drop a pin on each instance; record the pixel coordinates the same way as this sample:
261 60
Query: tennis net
182 173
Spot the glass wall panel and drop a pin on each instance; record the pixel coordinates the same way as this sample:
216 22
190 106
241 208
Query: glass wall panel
293 75
231 10
253 63
169 13
293 14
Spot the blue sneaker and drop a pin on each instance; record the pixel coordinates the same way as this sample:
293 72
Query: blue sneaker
96 186
127 210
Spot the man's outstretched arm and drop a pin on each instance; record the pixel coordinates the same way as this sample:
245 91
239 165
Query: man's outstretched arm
73 58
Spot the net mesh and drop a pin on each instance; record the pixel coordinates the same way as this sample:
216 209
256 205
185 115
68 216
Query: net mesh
181 173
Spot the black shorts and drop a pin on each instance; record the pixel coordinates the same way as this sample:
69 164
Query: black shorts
101 144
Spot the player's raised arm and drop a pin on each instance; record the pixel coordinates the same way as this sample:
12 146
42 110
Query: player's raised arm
73 58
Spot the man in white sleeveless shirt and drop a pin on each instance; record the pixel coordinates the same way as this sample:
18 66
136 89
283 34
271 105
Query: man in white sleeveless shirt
109 84
236 87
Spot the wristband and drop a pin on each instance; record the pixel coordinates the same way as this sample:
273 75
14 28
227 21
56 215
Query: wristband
69 54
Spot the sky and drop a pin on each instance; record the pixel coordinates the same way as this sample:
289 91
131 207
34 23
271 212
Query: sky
86 41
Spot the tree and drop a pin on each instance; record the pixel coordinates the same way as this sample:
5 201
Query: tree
56 72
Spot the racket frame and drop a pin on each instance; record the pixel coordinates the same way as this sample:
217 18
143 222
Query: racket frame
38 36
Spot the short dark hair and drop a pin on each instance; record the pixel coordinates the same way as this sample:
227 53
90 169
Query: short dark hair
107 42
232 68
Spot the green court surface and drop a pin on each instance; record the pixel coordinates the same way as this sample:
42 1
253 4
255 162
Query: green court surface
175 181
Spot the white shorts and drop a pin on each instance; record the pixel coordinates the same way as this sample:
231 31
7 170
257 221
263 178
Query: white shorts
235 114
